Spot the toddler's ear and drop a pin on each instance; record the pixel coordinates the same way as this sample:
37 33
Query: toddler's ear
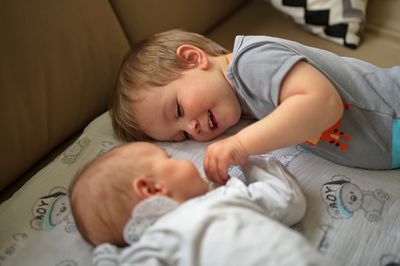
193 56
144 187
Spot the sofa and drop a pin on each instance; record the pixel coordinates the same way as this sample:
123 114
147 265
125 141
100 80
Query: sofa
58 65
59 60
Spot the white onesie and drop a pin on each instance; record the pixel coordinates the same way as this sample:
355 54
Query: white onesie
236 224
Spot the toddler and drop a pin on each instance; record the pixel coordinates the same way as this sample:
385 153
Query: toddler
177 85
136 194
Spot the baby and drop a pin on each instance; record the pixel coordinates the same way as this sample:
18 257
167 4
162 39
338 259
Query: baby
137 195
177 85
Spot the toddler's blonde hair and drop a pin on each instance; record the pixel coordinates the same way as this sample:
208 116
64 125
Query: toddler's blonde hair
151 62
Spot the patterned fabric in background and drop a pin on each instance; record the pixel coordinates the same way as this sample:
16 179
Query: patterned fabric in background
340 21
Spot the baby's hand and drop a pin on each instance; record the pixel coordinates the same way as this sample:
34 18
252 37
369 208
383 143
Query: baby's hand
220 155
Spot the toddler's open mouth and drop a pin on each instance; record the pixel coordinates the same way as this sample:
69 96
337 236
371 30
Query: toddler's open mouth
212 122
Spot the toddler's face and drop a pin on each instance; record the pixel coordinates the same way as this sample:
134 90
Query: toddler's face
199 105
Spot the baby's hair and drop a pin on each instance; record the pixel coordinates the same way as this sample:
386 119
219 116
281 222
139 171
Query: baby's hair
151 62
100 200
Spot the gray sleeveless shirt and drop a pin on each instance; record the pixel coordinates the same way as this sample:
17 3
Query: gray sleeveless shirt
368 134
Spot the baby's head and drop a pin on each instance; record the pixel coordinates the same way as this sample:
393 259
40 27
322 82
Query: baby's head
173 86
107 189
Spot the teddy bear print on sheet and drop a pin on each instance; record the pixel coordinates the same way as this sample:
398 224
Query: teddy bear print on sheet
343 198
53 210
67 263
390 260
45 228
74 151
362 207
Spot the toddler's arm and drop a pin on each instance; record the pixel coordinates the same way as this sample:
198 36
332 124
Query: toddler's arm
309 104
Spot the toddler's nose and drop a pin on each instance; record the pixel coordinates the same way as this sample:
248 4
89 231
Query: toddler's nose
193 128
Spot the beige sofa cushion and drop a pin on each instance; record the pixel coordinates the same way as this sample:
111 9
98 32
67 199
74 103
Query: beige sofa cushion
380 44
143 18
59 61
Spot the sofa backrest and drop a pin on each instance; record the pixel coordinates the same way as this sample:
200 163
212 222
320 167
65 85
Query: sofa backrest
383 16
143 18
59 61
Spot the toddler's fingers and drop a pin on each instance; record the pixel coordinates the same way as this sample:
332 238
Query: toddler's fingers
214 167
212 173
208 169
223 172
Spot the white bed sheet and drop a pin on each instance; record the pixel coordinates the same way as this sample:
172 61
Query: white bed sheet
353 215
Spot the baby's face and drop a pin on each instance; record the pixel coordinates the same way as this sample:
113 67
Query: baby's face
180 178
200 105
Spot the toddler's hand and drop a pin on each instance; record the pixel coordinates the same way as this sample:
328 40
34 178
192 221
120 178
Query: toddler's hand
220 155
